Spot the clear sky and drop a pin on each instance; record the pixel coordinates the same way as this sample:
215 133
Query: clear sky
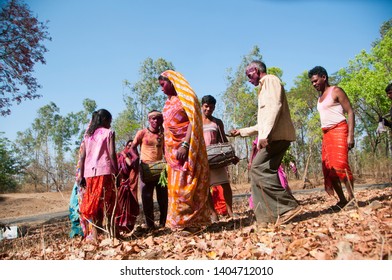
97 44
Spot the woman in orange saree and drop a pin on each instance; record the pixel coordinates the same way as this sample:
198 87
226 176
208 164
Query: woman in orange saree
186 156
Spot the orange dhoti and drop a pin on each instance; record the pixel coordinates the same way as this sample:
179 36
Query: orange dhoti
335 156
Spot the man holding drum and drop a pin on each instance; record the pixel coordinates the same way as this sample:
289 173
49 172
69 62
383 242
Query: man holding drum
214 132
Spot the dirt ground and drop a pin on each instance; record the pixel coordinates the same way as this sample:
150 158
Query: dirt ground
16 205
362 231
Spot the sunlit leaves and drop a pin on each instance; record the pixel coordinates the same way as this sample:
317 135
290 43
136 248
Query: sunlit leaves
364 80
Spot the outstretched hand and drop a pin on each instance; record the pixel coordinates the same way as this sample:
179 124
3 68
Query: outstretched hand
234 132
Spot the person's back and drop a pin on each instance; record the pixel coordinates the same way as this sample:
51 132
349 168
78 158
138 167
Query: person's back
98 165
98 161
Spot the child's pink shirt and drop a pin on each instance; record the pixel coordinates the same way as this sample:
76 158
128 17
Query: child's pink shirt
98 161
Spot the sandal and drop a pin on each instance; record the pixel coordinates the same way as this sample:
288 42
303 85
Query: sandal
188 231
339 206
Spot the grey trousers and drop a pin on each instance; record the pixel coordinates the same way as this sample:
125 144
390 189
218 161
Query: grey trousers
270 199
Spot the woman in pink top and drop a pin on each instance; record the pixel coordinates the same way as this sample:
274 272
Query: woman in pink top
98 165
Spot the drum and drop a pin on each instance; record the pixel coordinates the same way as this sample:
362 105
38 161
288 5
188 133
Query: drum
220 155
152 171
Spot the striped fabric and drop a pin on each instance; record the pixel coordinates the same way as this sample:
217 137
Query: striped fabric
335 156
188 185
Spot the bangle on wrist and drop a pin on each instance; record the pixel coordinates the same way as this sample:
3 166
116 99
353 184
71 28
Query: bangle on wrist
185 145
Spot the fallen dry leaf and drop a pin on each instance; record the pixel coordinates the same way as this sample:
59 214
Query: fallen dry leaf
364 233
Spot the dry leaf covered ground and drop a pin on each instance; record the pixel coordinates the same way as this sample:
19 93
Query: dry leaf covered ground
363 232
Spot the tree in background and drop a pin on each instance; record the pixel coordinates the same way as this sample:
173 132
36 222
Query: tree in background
21 46
302 99
82 119
125 125
364 80
143 97
50 145
240 109
11 166
240 99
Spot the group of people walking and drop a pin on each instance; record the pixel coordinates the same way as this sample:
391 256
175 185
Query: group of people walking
177 138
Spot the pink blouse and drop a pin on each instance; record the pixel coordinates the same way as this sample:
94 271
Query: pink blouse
98 161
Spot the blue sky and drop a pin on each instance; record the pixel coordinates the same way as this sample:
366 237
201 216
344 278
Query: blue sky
97 44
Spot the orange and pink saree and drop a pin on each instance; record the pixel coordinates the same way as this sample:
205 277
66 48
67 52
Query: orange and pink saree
188 184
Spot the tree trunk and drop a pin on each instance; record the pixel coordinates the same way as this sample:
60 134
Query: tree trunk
304 177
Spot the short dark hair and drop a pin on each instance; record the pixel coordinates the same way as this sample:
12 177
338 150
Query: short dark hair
388 88
318 70
208 99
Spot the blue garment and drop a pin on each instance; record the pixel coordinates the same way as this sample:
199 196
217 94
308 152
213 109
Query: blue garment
76 229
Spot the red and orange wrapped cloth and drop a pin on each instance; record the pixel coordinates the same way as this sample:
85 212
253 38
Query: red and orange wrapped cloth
335 156
188 183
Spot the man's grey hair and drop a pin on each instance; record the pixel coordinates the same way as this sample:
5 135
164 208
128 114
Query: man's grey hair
259 65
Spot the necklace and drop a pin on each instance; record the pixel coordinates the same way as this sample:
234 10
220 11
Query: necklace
159 137
148 128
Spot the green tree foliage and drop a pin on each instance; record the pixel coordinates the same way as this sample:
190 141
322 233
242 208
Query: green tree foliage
364 81
240 107
11 166
302 99
21 46
125 125
241 99
50 144
25 141
82 118
143 96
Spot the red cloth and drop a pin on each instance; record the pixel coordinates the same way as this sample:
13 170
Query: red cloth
127 208
218 200
98 197
335 156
